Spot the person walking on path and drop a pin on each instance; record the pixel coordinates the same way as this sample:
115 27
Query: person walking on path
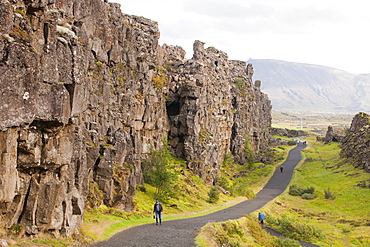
261 217
281 169
158 209
182 232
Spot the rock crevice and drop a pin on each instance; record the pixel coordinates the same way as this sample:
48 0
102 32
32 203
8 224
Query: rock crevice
87 92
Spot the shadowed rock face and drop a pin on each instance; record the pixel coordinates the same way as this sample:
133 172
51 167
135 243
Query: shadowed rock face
355 144
87 92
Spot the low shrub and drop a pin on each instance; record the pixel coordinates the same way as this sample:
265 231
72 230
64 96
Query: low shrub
141 188
329 194
294 228
364 185
307 193
308 196
292 143
295 191
213 194
309 159
286 242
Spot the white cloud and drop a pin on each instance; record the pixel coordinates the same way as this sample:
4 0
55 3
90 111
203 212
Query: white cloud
325 32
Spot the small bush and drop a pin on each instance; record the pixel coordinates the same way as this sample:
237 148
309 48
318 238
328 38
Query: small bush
240 83
214 195
16 228
141 188
308 196
294 228
286 242
291 143
363 184
329 194
307 193
159 170
295 191
309 190
159 81
234 244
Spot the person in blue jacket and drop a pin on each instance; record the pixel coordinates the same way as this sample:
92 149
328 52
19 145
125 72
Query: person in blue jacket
158 209
261 217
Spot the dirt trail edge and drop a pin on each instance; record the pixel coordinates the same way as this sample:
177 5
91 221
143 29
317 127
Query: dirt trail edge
182 233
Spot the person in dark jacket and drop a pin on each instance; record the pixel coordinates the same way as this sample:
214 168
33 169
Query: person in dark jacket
158 209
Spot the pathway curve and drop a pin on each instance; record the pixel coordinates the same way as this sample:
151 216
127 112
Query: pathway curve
182 233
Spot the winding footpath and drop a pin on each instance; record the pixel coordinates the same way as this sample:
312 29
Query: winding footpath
182 233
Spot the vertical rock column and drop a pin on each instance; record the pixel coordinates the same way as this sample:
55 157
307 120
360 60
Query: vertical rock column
252 114
200 110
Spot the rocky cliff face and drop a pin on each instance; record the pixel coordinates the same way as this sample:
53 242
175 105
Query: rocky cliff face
356 143
86 92
332 135
214 109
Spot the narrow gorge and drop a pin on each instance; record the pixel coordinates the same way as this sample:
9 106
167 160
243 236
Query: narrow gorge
87 92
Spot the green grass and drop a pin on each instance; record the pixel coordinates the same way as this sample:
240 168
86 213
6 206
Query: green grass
244 232
192 202
344 220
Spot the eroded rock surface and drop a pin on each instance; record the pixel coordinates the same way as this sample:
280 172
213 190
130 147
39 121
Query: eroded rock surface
356 143
87 92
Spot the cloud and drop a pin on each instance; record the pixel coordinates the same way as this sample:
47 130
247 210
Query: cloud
254 17
330 32
228 9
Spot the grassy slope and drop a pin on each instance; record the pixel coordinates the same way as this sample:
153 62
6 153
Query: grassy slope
344 221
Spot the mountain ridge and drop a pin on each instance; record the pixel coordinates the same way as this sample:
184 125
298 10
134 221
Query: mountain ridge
300 87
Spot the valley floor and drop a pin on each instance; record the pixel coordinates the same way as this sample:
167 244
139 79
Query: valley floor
182 232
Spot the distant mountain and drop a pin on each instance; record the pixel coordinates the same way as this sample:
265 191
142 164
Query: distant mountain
297 87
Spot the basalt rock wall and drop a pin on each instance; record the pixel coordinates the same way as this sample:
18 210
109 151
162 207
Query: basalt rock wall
87 92
214 109
355 145
78 109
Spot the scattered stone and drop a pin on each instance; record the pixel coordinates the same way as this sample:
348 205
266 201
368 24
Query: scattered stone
3 243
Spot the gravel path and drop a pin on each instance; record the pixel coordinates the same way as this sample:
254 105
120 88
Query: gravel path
181 233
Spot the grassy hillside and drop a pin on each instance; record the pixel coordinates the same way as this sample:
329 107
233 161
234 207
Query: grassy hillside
341 220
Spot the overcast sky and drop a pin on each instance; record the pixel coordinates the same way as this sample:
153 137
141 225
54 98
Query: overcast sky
333 33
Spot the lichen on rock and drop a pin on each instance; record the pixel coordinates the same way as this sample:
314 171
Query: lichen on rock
87 92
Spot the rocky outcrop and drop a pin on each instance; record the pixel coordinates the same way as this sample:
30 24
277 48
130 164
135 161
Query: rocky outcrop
87 92
287 132
333 135
355 146
252 118
214 109
79 110
200 110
